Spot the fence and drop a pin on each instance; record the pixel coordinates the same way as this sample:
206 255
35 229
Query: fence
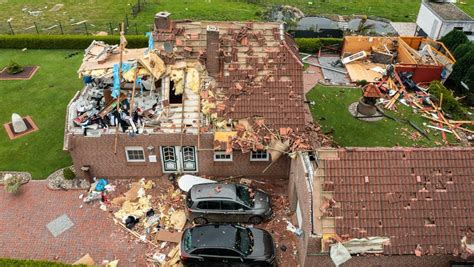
82 27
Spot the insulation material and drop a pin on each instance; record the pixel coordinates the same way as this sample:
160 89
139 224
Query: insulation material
178 220
86 260
177 76
224 136
339 254
277 148
193 80
137 209
366 245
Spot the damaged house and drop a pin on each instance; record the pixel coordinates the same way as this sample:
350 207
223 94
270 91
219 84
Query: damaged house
384 206
209 98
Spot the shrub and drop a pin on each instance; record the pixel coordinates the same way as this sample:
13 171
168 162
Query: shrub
12 183
453 39
461 68
312 45
14 68
462 50
68 174
450 105
34 41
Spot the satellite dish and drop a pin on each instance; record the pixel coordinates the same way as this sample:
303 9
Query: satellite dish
168 47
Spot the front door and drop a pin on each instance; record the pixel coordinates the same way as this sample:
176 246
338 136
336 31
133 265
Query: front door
179 159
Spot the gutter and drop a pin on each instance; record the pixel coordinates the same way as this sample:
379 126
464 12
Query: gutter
307 165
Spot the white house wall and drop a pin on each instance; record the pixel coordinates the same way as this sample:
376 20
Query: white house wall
429 22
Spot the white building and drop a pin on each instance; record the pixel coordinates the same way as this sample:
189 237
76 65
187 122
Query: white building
436 18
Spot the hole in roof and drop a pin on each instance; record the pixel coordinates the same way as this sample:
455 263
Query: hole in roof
412 171
429 222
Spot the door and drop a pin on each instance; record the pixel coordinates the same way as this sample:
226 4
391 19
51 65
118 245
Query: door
233 212
188 154
177 159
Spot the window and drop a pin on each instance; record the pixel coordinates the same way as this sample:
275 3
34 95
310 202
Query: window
229 205
222 156
209 205
259 155
135 154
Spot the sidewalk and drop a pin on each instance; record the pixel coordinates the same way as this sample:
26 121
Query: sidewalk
23 220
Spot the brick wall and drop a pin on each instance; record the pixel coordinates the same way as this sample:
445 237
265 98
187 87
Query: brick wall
98 153
298 190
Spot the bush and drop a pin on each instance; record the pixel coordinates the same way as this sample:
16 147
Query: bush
453 39
34 41
461 68
462 50
12 183
450 105
14 68
312 45
68 174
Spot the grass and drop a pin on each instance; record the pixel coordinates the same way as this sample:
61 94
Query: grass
44 98
330 109
101 13
32 263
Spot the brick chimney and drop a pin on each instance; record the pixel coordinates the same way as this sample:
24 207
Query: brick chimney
213 46
162 21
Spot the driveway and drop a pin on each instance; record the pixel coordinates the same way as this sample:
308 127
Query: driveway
23 235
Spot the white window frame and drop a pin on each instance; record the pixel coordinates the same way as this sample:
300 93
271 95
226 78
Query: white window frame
222 153
135 148
267 157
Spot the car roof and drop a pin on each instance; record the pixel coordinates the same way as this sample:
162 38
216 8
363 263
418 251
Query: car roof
214 190
214 236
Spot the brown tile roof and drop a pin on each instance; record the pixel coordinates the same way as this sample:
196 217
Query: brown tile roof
261 74
412 196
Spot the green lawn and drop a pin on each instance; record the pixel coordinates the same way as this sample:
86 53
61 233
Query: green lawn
330 110
100 13
31 263
44 98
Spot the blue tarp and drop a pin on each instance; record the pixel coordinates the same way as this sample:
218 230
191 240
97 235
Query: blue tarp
150 40
101 185
125 67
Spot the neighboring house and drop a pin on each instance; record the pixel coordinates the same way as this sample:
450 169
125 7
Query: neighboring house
210 86
387 206
437 18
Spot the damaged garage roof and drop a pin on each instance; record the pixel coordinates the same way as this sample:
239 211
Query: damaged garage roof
421 199
255 65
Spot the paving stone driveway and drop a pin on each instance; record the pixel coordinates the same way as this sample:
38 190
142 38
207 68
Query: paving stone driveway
23 232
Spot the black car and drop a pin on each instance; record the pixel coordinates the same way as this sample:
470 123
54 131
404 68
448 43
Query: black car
227 245
227 203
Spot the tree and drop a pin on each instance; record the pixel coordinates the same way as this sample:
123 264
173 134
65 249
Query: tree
453 39
469 81
460 69
462 50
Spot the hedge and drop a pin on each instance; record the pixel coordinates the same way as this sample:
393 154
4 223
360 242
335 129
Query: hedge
450 104
312 45
34 41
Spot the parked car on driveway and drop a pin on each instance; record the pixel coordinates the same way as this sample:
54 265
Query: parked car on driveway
232 203
227 245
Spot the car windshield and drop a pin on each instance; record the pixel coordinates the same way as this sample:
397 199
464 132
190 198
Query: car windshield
245 194
244 240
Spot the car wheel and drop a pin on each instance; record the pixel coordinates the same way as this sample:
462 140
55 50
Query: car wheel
200 220
255 220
